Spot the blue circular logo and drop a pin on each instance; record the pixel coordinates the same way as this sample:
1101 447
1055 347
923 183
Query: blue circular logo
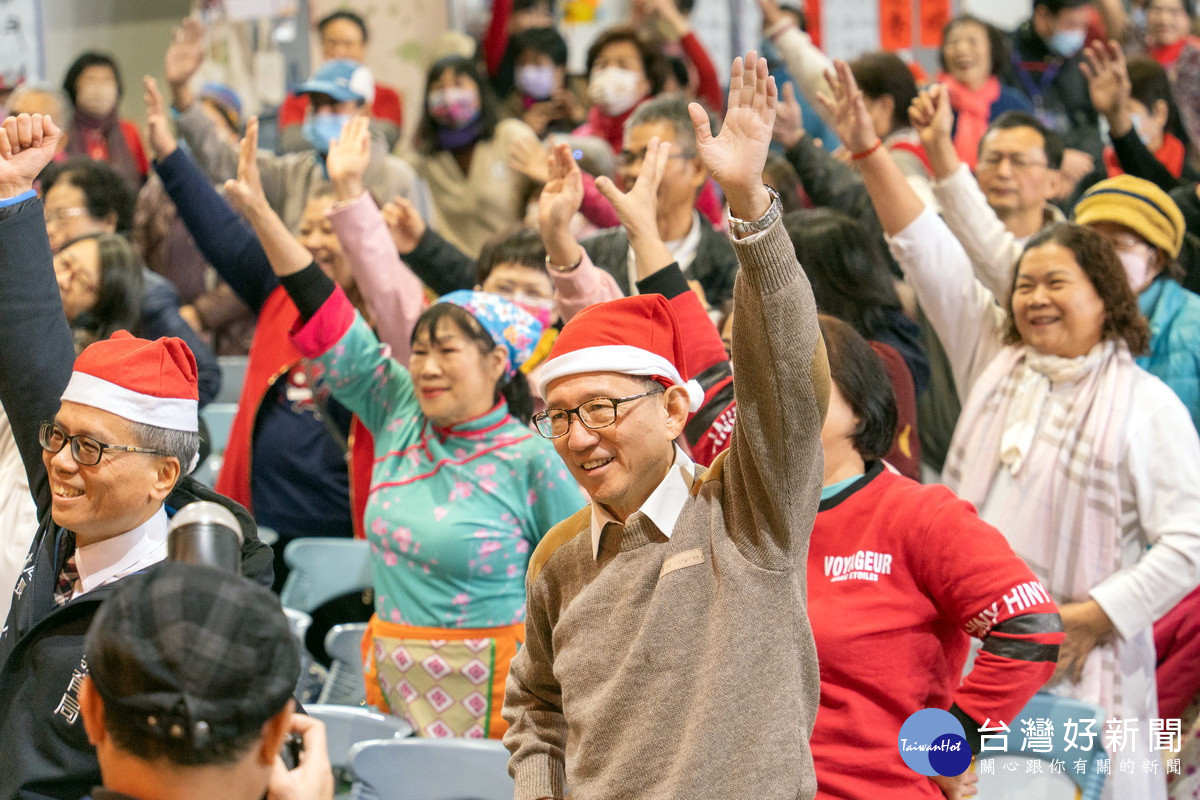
932 742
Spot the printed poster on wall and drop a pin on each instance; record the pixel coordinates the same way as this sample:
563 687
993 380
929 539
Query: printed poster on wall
21 59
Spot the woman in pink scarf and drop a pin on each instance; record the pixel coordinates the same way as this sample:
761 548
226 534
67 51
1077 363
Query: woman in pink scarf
93 84
1086 463
973 54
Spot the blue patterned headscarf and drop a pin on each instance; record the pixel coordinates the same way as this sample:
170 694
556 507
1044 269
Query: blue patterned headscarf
506 323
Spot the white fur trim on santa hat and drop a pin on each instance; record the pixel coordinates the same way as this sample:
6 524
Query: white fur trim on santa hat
622 358
177 414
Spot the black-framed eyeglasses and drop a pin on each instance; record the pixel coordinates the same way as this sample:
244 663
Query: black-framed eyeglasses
599 412
84 449
627 158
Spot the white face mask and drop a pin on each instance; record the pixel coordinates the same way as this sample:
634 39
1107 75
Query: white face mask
97 98
615 89
1137 269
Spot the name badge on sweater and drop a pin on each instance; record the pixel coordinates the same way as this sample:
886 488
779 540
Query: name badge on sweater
688 558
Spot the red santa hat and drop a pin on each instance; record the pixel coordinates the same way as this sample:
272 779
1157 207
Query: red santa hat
633 336
154 383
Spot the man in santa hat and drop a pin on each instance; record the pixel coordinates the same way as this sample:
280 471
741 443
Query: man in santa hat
668 653
107 440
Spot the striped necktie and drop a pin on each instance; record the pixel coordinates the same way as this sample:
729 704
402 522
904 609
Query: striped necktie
65 586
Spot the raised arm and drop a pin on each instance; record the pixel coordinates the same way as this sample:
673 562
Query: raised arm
1110 90
578 283
963 313
774 466
993 250
222 236
36 348
805 62
360 374
442 266
393 294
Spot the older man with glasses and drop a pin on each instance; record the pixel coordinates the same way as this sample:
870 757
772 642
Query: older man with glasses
668 651
117 434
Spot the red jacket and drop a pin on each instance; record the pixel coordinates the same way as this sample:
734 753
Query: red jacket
272 355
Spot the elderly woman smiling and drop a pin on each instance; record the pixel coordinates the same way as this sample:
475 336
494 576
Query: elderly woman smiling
1079 457
973 53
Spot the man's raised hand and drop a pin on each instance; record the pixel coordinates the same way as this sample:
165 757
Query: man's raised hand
27 144
736 156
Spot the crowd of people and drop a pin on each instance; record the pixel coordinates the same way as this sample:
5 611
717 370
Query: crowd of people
736 405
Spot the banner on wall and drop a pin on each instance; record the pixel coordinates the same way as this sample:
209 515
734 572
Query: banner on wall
21 58
934 16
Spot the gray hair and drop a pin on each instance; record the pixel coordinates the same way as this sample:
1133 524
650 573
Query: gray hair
62 113
672 110
180 445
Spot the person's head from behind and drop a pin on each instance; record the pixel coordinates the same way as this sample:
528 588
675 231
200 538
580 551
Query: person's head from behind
862 412
467 353
343 34
191 674
460 108
622 69
336 91
1018 164
888 87
100 276
1070 292
1143 223
1168 21
514 268
1062 24
93 84
617 394
317 235
845 266
42 98
540 62
666 118
972 50
1151 103
85 197
125 432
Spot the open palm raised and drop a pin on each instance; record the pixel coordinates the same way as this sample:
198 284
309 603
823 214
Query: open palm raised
736 156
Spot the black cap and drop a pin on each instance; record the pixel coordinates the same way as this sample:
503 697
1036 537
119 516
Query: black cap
193 653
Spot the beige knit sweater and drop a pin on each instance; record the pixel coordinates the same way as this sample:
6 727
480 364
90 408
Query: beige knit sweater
684 668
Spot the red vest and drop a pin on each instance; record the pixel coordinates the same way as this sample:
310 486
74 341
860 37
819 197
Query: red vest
272 355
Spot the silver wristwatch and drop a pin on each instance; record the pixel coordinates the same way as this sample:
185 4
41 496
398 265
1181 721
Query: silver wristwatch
741 228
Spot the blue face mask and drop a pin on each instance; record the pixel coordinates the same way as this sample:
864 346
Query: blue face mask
321 129
1067 43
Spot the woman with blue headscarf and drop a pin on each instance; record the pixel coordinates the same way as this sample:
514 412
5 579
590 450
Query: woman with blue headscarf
462 489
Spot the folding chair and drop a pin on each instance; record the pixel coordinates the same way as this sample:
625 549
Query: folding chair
346 726
1013 774
431 769
233 375
322 569
344 686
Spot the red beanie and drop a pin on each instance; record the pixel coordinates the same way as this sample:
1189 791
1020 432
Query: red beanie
154 383
633 336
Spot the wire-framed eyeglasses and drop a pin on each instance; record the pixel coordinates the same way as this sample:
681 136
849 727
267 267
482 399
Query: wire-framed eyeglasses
599 412
84 449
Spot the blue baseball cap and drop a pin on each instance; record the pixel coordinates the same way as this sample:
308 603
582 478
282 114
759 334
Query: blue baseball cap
341 79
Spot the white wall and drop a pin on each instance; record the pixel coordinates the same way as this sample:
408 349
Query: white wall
1004 14
135 32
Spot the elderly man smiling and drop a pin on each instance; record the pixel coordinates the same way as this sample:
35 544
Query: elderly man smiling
673 606
104 443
